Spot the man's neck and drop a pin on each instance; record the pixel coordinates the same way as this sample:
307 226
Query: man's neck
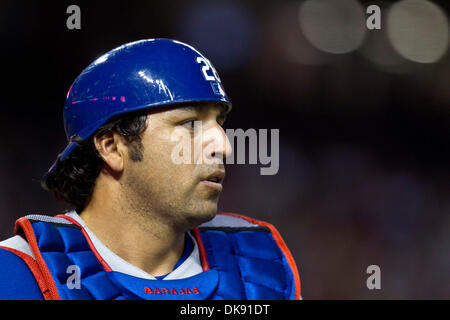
151 245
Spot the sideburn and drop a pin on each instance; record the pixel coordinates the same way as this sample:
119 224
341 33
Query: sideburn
136 150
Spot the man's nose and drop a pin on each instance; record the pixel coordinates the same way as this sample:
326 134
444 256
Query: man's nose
216 143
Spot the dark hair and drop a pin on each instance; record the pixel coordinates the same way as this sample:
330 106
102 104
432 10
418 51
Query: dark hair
73 179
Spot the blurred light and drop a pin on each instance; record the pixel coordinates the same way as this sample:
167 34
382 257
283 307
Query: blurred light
439 85
222 30
294 47
333 26
418 30
378 49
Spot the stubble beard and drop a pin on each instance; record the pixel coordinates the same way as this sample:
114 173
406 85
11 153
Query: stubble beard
151 205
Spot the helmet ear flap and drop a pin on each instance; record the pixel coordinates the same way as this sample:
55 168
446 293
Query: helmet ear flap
75 138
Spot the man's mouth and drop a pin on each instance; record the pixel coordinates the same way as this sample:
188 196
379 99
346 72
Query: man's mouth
214 180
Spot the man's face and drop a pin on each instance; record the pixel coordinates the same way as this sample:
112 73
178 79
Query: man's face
179 179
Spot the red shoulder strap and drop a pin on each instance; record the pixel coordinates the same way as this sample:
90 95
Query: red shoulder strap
201 248
279 240
38 266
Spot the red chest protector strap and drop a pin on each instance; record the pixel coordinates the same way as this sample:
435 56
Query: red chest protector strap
38 266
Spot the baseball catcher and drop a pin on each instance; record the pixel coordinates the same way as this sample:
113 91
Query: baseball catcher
144 225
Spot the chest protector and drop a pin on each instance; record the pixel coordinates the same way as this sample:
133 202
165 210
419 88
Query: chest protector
242 258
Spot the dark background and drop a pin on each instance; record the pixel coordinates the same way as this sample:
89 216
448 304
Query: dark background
364 135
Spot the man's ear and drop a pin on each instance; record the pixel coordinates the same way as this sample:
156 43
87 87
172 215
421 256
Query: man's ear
112 148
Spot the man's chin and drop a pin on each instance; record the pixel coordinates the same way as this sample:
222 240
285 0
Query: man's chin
202 215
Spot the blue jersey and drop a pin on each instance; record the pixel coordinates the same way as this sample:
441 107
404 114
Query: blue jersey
230 257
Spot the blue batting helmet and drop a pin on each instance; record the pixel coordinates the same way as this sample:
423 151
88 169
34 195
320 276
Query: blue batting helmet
139 75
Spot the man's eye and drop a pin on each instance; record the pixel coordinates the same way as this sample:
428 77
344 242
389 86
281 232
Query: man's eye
189 124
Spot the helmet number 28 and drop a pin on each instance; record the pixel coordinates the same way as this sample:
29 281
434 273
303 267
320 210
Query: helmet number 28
206 68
